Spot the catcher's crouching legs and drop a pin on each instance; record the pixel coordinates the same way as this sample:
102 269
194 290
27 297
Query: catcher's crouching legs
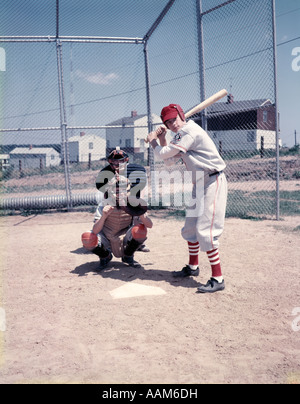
104 255
138 237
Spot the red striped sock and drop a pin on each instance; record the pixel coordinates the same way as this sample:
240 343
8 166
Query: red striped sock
214 260
194 249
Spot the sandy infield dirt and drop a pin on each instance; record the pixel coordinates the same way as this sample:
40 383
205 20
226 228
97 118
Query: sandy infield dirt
62 322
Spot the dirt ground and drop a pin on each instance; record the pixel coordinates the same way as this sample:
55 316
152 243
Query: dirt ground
65 323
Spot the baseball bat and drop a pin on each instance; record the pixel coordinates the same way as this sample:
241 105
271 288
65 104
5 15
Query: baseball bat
204 104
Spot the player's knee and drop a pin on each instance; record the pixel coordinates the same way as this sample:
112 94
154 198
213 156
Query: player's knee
139 232
89 240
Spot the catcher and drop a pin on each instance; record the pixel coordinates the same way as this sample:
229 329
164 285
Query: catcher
119 234
118 230
121 222
118 164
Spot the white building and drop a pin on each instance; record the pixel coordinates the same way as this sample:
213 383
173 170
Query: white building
85 148
4 161
130 139
34 157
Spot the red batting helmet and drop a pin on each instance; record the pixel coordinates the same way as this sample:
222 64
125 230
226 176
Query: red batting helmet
171 112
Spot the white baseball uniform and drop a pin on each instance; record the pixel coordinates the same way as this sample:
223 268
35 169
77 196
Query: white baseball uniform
199 153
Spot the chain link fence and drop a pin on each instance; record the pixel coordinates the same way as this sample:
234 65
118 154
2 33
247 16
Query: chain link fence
79 79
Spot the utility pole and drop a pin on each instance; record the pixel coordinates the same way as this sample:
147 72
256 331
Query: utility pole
295 138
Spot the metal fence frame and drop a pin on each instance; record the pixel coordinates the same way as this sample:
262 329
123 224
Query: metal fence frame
59 40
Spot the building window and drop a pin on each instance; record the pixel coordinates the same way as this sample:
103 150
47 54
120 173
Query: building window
265 116
91 146
251 137
128 143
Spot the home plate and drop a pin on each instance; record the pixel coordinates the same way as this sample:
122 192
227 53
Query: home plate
134 290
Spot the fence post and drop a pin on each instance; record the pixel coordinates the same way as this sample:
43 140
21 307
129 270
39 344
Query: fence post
90 161
63 123
262 147
276 109
150 123
220 147
201 60
20 169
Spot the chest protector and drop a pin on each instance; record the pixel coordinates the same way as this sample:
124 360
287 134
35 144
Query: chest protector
115 228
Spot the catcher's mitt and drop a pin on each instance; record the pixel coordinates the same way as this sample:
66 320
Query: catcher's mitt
135 207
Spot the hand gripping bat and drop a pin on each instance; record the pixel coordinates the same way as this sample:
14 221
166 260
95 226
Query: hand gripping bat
204 104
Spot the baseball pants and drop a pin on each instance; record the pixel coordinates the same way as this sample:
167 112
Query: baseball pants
207 226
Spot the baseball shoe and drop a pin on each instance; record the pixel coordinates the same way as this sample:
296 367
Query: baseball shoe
212 286
104 262
143 248
130 261
186 271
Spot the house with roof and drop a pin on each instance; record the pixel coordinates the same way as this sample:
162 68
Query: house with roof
85 148
4 162
131 135
241 125
34 157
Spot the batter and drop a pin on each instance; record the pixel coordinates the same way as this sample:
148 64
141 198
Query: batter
200 155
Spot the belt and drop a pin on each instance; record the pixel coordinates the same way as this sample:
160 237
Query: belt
215 173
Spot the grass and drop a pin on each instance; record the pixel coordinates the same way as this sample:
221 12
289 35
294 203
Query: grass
262 203
255 206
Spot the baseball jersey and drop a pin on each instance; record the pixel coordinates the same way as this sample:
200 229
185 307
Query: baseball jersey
194 146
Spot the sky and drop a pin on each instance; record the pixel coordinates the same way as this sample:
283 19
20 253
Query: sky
27 71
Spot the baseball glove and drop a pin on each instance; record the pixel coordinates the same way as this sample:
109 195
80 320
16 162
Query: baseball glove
135 207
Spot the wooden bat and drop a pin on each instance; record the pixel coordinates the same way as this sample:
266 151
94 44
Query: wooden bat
204 104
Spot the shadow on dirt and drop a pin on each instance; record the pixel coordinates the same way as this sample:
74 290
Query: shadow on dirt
119 270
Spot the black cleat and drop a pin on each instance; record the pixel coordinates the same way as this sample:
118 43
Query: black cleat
143 248
130 261
212 286
104 262
186 271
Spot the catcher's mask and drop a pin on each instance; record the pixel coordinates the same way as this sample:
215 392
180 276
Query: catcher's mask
118 159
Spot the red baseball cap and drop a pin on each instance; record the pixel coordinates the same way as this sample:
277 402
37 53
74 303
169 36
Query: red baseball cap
171 112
